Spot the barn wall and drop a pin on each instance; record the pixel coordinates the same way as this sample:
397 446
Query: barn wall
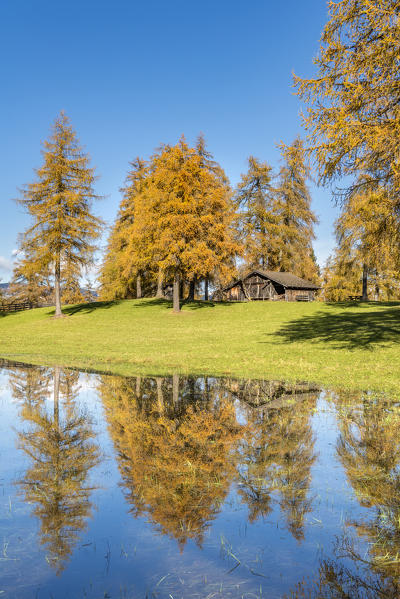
260 288
293 294
235 294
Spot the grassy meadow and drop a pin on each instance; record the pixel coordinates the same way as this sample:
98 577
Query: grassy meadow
353 346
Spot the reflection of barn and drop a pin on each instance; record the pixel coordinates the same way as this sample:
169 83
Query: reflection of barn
269 285
270 394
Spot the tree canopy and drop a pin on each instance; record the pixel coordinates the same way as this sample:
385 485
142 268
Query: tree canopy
352 104
60 239
365 261
175 223
275 220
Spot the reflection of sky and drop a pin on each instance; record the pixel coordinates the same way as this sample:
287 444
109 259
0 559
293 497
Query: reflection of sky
120 551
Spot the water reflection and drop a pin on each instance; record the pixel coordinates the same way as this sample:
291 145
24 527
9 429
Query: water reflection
361 580
241 488
180 447
368 447
61 451
174 450
276 454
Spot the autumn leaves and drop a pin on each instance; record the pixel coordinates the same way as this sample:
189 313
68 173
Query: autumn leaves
175 225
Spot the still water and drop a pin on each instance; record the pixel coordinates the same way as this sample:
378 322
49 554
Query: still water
194 487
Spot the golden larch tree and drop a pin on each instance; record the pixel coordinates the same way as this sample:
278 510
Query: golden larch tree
365 261
191 215
257 218
352 104
126 256
59 202
296 218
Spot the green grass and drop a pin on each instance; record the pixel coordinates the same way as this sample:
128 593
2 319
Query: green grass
354 346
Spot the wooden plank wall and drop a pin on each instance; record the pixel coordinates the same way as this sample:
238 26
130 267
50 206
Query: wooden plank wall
258 288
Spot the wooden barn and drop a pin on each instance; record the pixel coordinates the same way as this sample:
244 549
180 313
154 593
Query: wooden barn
270 285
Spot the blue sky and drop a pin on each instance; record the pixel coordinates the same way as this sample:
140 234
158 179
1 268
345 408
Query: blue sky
132 74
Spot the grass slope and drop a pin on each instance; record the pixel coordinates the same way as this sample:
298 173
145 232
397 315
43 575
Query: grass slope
352 346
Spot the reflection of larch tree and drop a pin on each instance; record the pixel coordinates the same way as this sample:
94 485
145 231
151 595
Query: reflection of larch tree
296 459
173 451
276 455
257 465
30 385
336 581
369 449
62 453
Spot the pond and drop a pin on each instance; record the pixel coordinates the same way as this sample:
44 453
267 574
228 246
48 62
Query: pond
172 487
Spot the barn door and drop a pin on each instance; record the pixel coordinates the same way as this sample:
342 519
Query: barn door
246 290
268 291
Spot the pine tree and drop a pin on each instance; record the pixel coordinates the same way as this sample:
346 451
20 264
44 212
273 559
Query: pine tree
89 292
175 223
71 290
141 257
28 283
257 218
275 457
126 257
341 277
353 101
59 202
220 276
188 216
365 260
296 218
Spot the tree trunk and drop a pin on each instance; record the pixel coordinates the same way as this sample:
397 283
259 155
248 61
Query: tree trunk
160 398
206 389
365 283
176 298
138 383
139 287
159 293
192 285
56 408
206 289
57 287
175 388
192 389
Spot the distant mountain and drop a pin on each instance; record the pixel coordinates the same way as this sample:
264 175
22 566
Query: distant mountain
4 285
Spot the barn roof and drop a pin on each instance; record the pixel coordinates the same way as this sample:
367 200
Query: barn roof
286 279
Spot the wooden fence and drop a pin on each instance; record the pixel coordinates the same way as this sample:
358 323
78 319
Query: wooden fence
16 306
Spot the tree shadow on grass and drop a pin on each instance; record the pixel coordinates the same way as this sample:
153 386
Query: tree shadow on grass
3 313
70 310
151 303
361 304
187 305
200 304
87 308
346 330
144 303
